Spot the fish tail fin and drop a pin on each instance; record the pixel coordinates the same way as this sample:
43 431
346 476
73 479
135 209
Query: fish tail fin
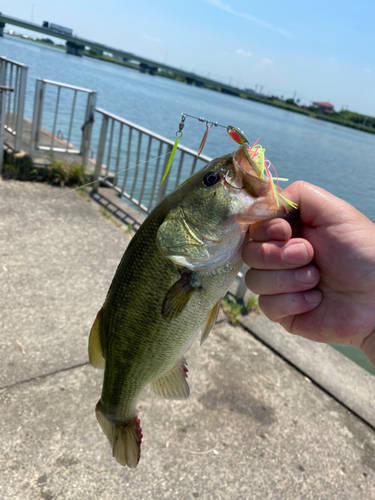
124 438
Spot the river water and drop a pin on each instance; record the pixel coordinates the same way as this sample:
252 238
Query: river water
339 159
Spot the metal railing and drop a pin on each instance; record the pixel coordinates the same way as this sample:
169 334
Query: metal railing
132 160
70 112
13 75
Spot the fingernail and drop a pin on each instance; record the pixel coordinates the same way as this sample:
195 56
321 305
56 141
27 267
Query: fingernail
313 296
295 254
306 276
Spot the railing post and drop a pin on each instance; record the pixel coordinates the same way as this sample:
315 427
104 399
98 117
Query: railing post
87 127
3 71
2 111
2 119
101 147
241 288
20 109
37 116
163 187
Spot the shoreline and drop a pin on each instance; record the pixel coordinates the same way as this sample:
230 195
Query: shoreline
270 101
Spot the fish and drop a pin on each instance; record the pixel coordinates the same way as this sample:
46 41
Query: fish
169 286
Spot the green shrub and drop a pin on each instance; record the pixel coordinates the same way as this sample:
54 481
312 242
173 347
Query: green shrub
59 173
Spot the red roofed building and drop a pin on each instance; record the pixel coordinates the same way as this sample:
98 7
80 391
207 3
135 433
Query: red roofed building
325 107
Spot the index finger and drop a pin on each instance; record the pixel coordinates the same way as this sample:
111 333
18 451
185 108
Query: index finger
274 229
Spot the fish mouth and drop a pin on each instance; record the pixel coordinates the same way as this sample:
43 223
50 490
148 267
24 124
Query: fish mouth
268 203
246 174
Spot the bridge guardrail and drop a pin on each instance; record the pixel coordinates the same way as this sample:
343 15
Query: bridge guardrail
13 75
76 117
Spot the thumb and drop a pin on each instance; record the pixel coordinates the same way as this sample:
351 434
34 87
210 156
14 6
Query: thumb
317 207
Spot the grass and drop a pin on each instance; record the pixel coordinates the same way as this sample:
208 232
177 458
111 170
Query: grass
66 174
21 168
235 310
59 173
232 309
253 304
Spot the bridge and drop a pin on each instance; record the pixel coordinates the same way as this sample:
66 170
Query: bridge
76 45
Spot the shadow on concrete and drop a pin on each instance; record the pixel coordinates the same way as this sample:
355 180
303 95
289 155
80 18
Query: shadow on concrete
114 209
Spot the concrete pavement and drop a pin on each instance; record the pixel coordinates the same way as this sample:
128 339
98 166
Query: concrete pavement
254 427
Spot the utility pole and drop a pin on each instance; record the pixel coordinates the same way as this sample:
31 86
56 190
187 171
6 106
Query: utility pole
32 12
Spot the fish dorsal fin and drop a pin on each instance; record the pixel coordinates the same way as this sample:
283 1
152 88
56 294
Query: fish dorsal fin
178 295
172 385
95 348
211 320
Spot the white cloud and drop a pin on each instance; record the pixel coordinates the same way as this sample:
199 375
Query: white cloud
265 62
227 8
152 39
243 53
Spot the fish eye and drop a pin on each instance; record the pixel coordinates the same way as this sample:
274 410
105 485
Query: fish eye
211 178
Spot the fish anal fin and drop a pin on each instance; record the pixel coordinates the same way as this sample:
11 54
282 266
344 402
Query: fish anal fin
125 439
178 296
95 349
172 385
210 320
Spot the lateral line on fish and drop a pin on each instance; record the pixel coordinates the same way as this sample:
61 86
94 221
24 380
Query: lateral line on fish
108 176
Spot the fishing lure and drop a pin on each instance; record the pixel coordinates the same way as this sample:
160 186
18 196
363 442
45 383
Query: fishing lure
256 152
234 133
178 135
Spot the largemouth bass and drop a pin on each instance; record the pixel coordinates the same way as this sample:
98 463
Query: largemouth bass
169 286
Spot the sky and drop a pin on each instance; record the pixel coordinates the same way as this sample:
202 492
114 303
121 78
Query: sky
311 50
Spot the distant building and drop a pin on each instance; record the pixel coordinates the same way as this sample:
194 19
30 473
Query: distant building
325 107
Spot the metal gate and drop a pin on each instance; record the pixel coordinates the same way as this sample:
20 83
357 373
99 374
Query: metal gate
70 115
13 75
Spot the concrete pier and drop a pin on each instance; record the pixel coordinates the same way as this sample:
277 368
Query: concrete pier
256 425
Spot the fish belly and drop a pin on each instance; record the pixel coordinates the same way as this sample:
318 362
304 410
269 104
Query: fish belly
145 350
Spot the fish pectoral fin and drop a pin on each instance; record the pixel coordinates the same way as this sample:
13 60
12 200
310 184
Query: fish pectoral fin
211 320
173 385
95 348
178 296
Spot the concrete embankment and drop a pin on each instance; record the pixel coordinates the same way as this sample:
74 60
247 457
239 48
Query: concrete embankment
256 426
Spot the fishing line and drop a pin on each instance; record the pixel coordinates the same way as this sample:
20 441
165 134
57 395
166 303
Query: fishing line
256 151
121 171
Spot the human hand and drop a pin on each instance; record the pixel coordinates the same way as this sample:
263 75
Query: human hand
320 283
